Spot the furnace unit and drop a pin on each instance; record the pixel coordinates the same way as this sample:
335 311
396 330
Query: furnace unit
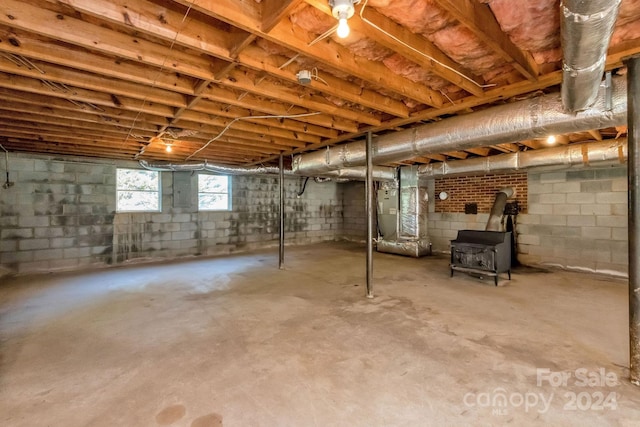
402 216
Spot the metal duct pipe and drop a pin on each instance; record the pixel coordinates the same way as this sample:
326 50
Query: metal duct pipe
380 173
493 224
528 119
568 155
586 31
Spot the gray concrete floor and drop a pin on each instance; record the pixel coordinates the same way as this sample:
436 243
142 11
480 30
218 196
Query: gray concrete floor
233 341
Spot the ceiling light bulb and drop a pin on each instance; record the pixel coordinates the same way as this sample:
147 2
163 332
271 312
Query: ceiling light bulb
551 140
343 28
169 148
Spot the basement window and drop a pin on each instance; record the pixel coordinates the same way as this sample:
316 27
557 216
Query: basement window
137 190
214 192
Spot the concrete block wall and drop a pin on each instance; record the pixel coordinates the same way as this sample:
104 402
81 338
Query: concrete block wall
355 214
57 215
577 219
60 215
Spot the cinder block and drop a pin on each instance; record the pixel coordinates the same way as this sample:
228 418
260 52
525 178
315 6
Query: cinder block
552 198
541 209
16 233
608 173
62 242
528 218
33 267
612 197
566 209
16 257
537 188
581 198
172 226
48 166
443 225
596 232
595 186
595 209
621 234
581 220
619 185
33 221
553 219
31 244
619 209
8 221
611 221
8 245
581 175
47 254
566 187
552 177
181 235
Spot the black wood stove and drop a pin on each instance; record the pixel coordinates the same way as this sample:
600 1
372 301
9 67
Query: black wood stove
483 252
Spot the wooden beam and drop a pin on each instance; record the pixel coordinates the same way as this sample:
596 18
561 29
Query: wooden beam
595 133
480 20
274 11
327 52
412 46
225 46
479 151
93 37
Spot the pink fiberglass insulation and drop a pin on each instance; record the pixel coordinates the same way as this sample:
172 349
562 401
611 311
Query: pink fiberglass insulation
366 48
412 71
531 25
548 56
312 20
627 24
461 45
420 16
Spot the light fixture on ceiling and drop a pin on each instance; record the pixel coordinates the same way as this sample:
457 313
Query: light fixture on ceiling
169 147
551 139
342 10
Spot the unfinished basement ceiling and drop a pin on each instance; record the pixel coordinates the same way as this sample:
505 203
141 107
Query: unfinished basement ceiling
124 79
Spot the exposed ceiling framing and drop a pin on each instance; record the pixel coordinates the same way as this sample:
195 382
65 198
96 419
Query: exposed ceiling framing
217 79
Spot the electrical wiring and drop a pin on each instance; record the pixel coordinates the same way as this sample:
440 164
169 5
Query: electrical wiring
226 128
155 80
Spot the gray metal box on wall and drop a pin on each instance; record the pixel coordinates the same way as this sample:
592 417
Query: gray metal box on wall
388 210
182 189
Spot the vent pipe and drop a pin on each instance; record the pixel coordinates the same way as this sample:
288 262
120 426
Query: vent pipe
586 31
493 224
517 121
568 155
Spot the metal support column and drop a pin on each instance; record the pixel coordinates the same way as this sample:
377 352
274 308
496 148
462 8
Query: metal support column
281 252
633 169
369 201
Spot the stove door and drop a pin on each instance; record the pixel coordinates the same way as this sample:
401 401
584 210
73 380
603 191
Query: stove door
473 257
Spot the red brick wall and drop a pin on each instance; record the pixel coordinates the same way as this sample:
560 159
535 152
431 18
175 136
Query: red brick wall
479 189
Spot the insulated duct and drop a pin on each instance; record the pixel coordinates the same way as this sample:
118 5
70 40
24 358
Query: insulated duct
380 173
528 119
568 155
586 31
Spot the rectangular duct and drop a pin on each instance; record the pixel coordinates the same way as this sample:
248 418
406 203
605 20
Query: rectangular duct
410 235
